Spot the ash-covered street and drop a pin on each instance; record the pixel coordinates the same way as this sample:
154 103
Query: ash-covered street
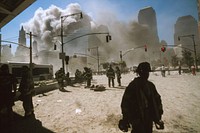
83 110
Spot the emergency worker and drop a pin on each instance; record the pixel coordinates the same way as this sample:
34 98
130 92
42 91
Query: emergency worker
8 87
118 73
78 76
141 104
60 78
110 73
87 75
26 88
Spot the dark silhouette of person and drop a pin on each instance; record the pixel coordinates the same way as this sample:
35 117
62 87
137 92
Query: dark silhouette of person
67 78
110 73
141 104
8 87
60 78
118 73
179 69
26 88
78 76
87 75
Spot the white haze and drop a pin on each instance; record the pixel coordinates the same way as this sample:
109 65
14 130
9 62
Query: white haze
46 25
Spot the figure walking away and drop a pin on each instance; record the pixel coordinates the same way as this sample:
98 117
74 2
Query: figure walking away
78 76
193 70
118 73
110 73
87 75
141 104
26 88
59 75
8 86
163 71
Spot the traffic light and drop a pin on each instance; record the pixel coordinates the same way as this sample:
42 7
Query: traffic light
145 48
163 49
67 59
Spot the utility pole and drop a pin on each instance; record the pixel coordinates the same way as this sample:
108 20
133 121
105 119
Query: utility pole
195 53
30 47
120 56
30 65
62 54
98 59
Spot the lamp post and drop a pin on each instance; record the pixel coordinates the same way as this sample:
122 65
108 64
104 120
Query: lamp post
97 57
121 54
195 54
108 38
62 54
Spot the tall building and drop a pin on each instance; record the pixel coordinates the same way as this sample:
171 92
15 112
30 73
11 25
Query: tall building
22 53
147 17
186 26
22 36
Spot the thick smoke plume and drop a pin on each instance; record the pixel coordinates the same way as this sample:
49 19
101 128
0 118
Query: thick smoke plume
46 25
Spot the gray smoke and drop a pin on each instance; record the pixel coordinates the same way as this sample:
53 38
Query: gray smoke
46 25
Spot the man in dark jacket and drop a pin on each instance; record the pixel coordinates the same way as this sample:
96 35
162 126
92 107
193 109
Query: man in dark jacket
110 73
118 73
141 104
60 76
87 75
26 88
8 87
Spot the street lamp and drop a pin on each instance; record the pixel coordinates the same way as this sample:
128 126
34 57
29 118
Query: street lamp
195 54
127 51
62 55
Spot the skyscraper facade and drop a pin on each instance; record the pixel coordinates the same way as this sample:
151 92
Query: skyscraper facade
147 17
186 26
22 53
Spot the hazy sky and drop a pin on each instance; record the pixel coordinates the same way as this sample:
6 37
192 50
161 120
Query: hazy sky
167 12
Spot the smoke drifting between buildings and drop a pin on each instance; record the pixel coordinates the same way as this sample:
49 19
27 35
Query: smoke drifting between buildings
46 24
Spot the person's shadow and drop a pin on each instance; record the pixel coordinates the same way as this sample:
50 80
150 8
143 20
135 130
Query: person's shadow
24 125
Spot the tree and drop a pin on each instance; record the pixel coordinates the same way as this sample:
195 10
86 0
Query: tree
187 58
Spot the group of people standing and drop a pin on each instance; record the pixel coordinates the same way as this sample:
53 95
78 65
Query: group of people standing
86 75
8 89
63 79
110 73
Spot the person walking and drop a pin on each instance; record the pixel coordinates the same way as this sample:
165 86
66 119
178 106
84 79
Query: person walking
8 87
26 88
179 69
78 76
118 73
110 73
141 104
163 71
59 75
193 70
87 75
